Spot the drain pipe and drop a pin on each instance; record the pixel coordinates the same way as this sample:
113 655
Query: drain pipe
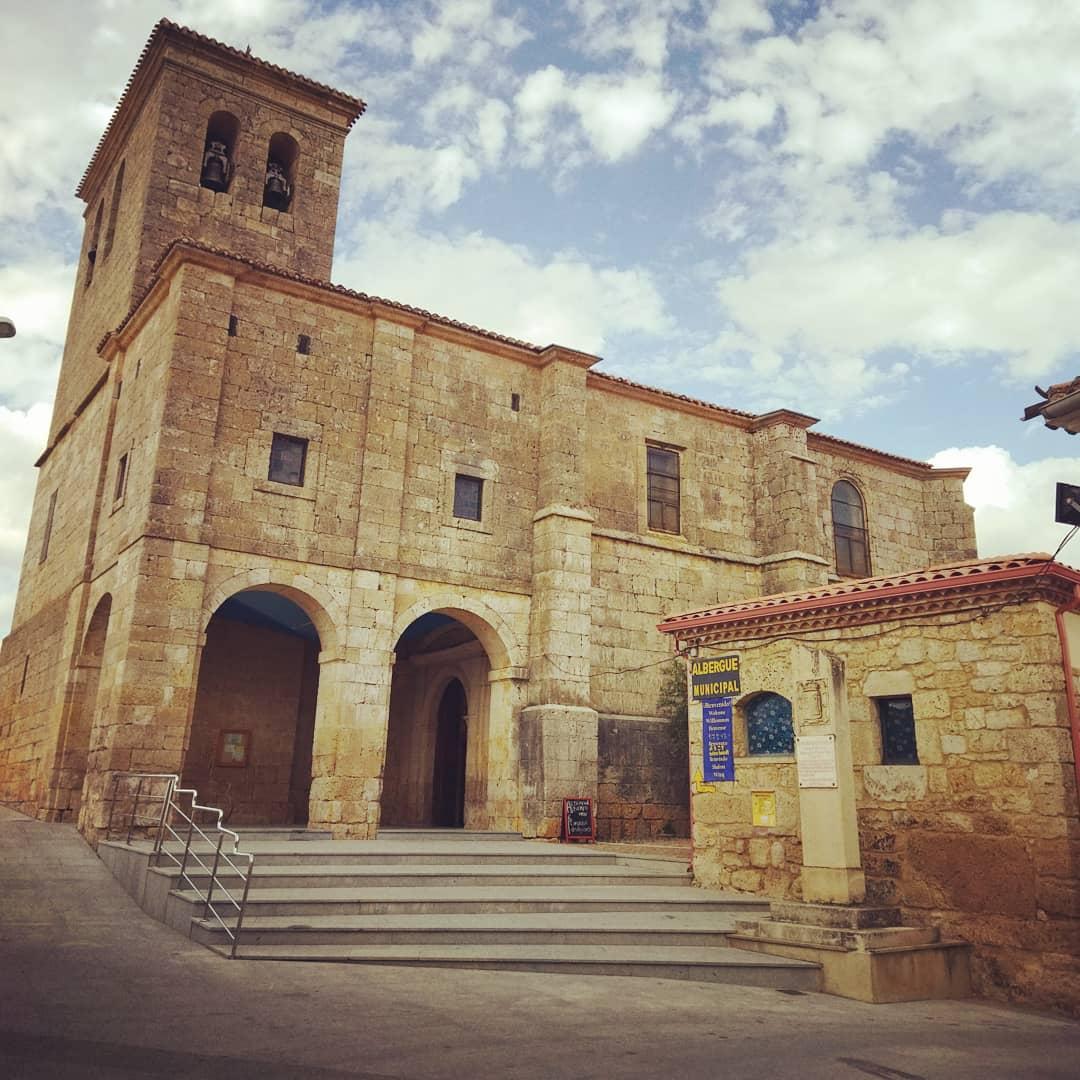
1072 607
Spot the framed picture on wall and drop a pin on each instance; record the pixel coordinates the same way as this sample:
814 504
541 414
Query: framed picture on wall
234 749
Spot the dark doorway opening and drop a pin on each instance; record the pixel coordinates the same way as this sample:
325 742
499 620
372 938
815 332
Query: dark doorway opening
451 740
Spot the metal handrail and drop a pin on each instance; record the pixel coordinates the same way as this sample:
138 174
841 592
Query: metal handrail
164 824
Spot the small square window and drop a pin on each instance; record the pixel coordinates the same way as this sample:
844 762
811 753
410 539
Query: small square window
515 402
303 345
468 497
898 746
234 325
121 477
288 455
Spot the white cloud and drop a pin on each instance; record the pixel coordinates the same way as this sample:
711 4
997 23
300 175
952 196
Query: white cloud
470 30
22 438
35 294
1014 504
616 113
502 287
1005 286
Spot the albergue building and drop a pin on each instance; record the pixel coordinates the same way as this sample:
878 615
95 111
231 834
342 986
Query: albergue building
338 560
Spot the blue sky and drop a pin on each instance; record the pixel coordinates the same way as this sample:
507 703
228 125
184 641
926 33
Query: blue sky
864 210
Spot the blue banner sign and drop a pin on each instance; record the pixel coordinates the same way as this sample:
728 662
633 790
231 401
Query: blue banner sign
716 741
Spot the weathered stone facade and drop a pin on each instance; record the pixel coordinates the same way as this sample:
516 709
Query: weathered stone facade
981 836
208 332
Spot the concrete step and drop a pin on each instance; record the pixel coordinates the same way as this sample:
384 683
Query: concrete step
344 875
409 833
395 852
438 900
703 929
260 833
716 965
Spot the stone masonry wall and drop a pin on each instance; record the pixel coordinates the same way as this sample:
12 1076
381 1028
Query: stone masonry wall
981 838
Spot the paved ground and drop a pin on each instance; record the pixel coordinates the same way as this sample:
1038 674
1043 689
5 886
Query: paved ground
91 987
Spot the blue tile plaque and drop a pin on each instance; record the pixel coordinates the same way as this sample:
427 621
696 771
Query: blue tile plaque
716 741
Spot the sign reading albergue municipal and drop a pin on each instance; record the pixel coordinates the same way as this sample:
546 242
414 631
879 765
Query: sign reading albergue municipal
714 676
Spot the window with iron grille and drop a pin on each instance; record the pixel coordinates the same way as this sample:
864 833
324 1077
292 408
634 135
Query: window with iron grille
288 455
850 539
662 471
769 729
898 745
468 497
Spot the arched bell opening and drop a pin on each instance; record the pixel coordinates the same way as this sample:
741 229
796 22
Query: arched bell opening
435 772
250 744
280 171
219 151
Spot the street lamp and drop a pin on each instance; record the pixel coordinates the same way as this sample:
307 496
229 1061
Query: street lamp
7 327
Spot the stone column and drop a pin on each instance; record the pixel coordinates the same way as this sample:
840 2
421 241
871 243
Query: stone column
787 518
832 865
558 733
506 692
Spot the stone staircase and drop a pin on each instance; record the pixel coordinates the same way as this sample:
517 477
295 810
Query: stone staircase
448 898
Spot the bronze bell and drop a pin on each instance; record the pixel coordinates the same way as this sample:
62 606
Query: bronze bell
215 167
277 190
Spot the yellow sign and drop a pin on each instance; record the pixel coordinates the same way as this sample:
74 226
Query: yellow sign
699 785
763 808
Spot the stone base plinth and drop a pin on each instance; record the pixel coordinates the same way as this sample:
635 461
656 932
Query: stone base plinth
864 952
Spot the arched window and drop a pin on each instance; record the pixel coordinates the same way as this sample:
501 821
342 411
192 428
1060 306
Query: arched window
118 188
769 729
280 171
92 250
850 540
218 151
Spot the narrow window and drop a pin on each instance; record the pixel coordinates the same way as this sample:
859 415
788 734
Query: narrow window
288 456
280 171
50 514
114 208
234 325
663 489
119 388
468 497
898 746
121 477
303 345
92 250
769 729
218 151
849 531
25 669
515 402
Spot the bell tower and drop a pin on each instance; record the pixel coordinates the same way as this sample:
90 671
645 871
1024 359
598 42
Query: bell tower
212 144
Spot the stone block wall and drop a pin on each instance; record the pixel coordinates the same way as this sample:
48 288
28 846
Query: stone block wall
981 838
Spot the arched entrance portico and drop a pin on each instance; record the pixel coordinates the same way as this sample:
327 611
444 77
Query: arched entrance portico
250 743
450 754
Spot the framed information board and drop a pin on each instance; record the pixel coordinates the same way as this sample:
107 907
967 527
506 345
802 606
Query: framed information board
577 819
718 761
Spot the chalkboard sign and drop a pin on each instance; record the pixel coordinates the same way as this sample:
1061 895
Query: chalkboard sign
577 820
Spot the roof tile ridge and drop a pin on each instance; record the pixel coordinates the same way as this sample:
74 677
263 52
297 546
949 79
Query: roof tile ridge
303 279
868 449
672 394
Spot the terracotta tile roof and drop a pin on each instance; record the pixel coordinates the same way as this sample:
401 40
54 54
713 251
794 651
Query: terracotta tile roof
166 26
619 380
815 436
932 590
290 275
1067 416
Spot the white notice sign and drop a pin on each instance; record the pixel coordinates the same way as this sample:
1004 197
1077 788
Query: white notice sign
816 759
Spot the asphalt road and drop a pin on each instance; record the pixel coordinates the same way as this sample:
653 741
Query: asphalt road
91 987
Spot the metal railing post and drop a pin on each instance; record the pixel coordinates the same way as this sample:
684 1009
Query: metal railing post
166 806
112 806
135 810
187 843
241 910
213 877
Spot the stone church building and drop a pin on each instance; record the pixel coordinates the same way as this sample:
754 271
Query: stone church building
339 560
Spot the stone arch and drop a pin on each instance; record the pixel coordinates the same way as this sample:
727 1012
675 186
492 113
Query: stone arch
75 743
491 629
316 601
